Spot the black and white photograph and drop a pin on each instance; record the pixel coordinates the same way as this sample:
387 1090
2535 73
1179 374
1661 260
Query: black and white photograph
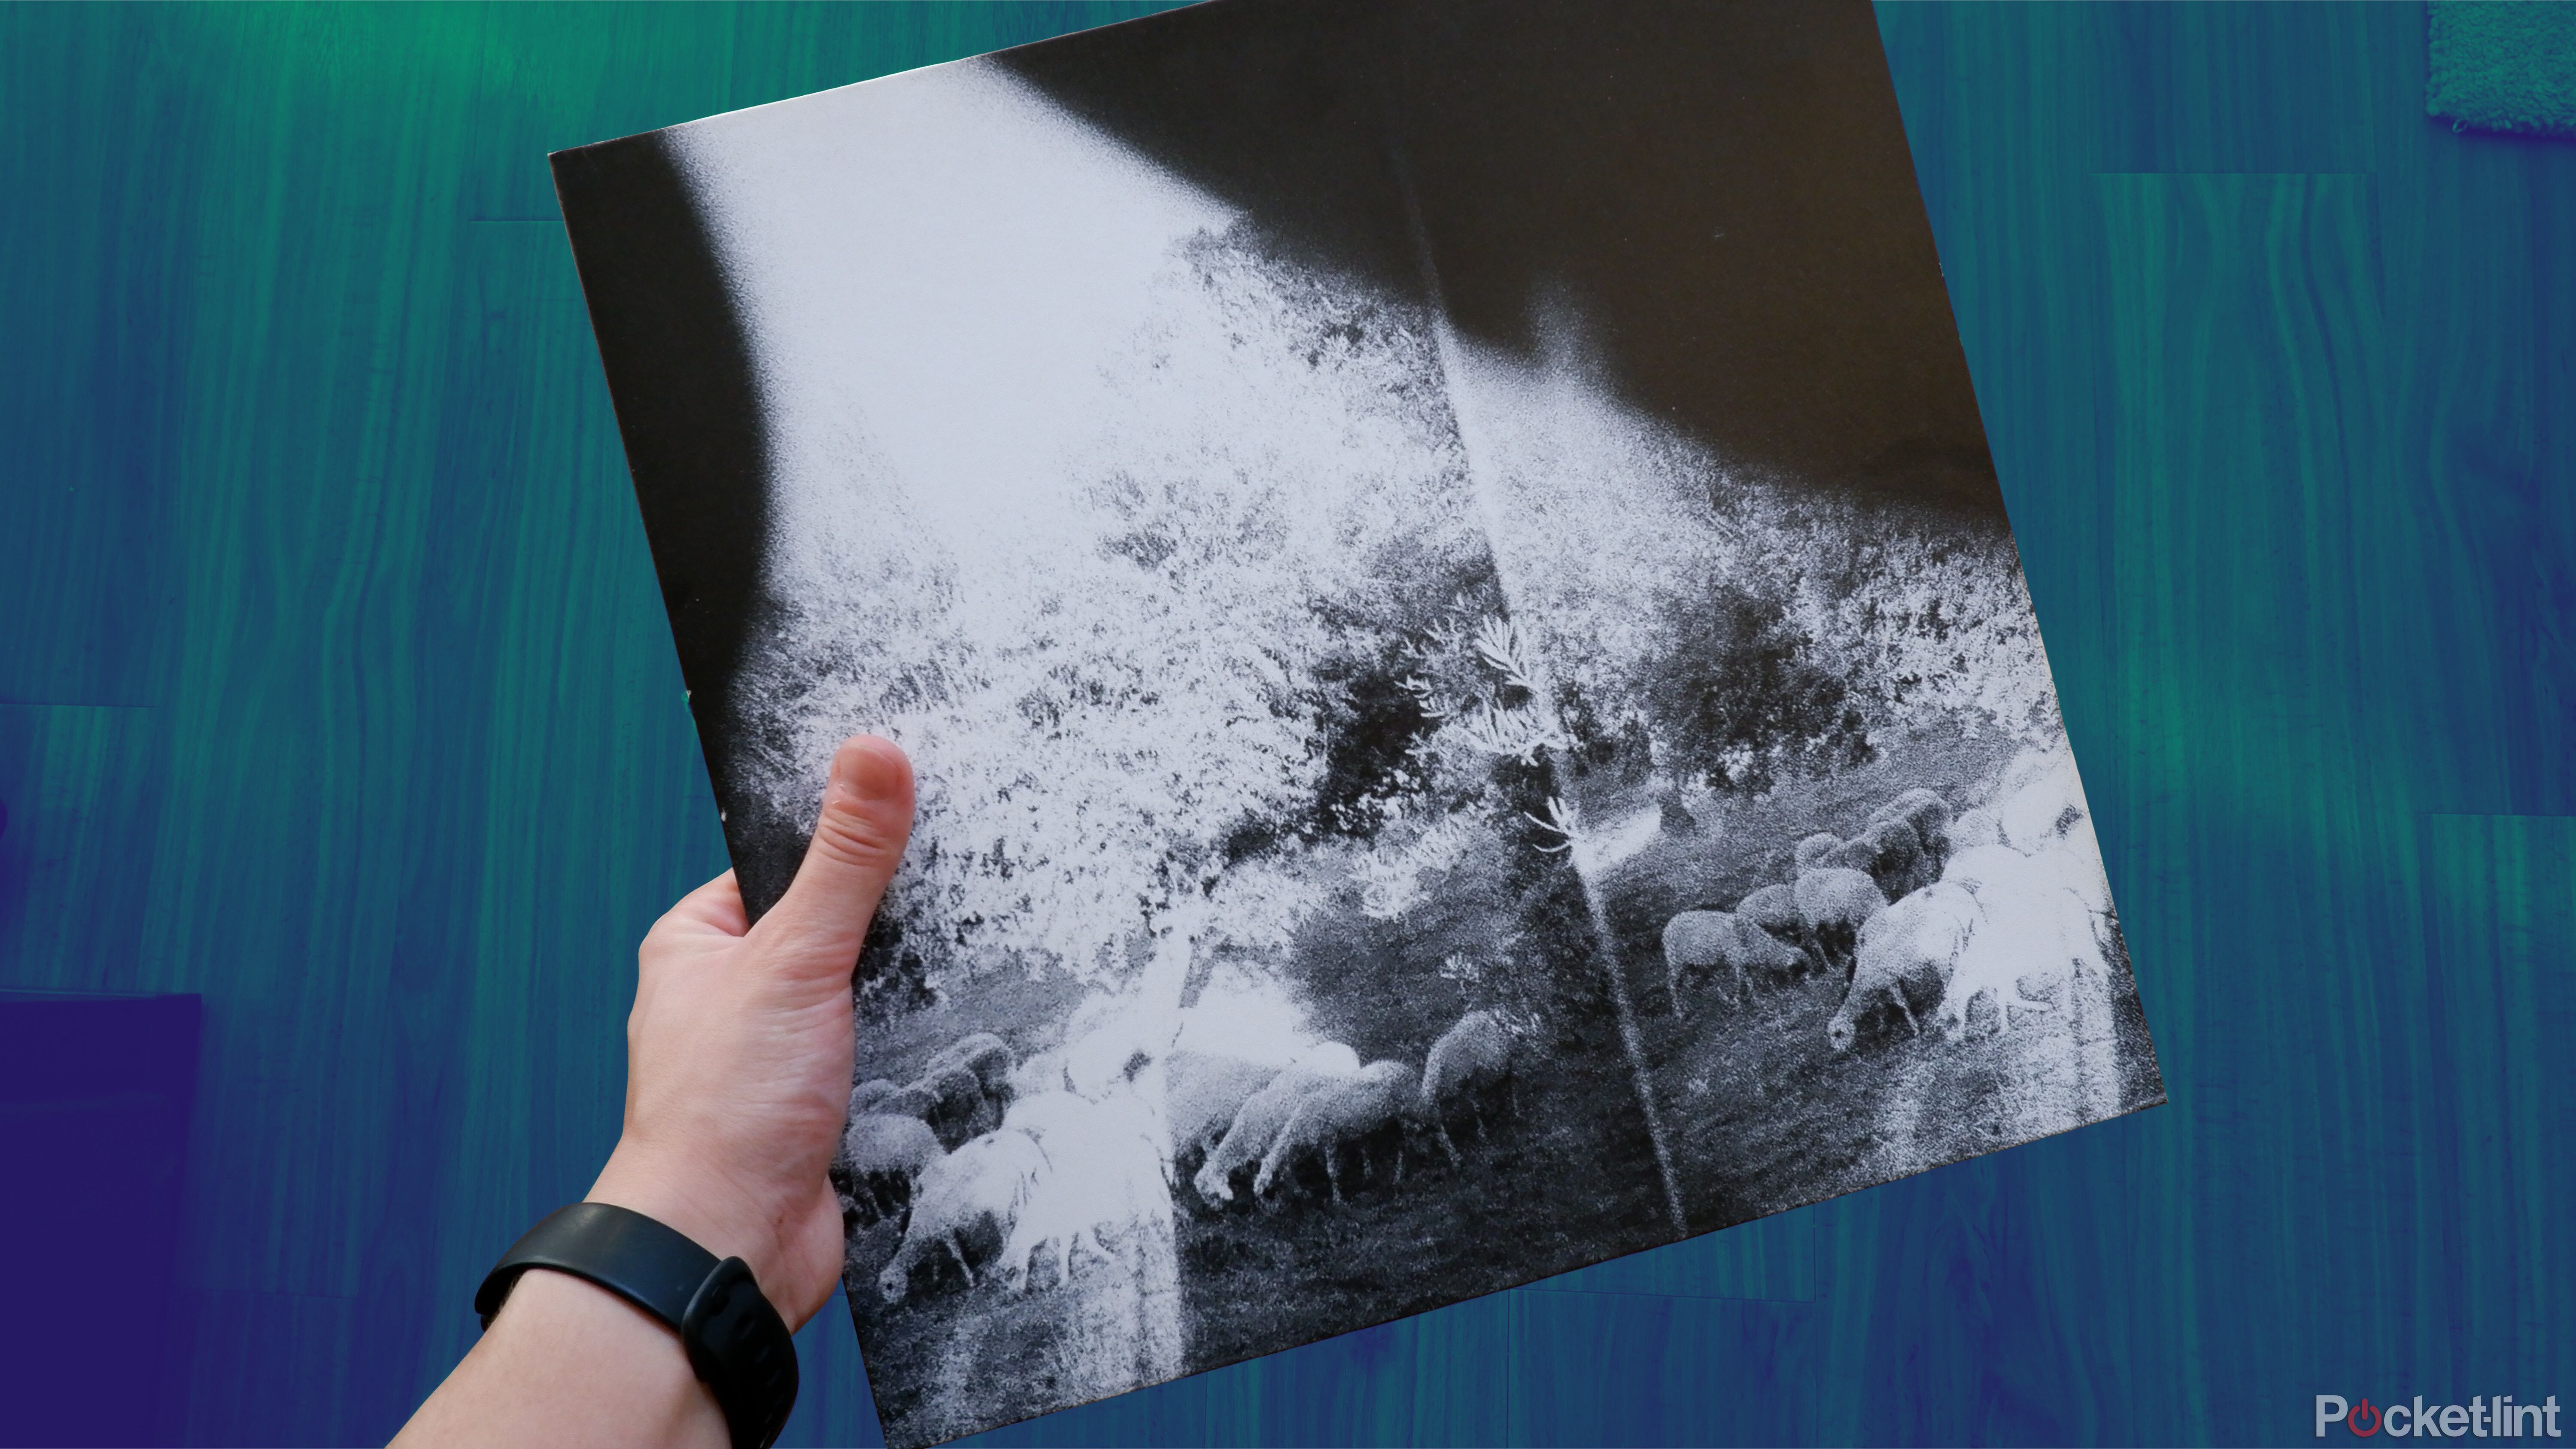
1475 706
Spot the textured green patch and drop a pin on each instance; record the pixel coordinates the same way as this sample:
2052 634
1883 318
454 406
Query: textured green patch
2504 65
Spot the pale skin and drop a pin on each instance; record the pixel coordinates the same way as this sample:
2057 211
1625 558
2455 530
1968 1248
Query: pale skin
738 1072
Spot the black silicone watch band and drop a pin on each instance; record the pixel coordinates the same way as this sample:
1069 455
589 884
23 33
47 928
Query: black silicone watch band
735 1339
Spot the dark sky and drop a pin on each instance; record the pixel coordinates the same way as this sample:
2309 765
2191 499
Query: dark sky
1722 189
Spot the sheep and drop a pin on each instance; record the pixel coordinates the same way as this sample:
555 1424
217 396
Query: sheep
1970 830
885 1157
1812 849
1042 1072
1924 931
1775 909
869 1096
984 1054
1922 809
1836 903
1979 864
1889 853
1343 1112
1332 1058
1715 941
2030 924
1256 1125
1104 1174
974 1193
913 1099
1201 1093
2040 796
958 1108
1472 1059
1043 1114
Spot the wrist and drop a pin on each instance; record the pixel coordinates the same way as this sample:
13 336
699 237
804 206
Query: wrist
630 1377
696 1204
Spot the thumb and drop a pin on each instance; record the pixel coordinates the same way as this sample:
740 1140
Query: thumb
858 841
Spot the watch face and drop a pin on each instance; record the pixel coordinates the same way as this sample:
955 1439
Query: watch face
1475 704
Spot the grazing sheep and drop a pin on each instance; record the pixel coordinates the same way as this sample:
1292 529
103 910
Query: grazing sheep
1256 1125
913 1099
1979 864
1470 1062
1201 1093
885 1157
1043 1114
970 1198
1104 1176
1927 812
1714 942
1812 849
958 1107
1923 932
984 1054
1332 1058
2031 925
1836 903
1973 828
1889 853
1343 1112
1042 1072
1775 909
2059 865
2040 797
868 1096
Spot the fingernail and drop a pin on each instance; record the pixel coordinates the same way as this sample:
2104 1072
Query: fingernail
870 769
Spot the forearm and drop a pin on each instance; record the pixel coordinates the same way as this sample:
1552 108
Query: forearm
567 1363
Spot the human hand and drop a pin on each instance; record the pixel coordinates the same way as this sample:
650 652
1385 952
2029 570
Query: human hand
740 1044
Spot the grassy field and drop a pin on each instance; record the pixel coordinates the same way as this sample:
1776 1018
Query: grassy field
1761 1115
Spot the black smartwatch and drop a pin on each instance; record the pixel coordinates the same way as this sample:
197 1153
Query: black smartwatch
736 1341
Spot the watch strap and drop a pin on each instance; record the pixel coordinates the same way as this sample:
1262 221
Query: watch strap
735 1339
656 1268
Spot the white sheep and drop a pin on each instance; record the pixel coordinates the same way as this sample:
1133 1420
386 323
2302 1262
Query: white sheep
957 1106
1923 809
1924 931
1332 1058
1202 1091
1471 1061
1104 1176
2023 886
984 1054
1343 1112
975 1192
869 1096
1718 942
1970 830
1043 1114
1775 909
1042 1072
886 1156
2029 926
1256 1125
1888 852
1835 903
2040 796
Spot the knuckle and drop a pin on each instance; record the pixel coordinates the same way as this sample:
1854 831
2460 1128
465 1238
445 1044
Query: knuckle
850 837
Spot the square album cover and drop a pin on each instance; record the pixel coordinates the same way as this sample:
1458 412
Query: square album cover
1475 705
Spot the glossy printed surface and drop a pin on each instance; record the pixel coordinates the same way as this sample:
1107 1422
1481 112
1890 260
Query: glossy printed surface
336 688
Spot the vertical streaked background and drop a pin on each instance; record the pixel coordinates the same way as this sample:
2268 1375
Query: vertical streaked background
334 687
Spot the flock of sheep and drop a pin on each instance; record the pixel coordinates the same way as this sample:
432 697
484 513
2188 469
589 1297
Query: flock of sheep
987 1162
1918 902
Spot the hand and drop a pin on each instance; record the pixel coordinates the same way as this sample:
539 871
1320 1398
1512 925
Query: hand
740 1045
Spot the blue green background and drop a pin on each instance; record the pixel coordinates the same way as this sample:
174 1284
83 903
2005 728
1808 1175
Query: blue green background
334 686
